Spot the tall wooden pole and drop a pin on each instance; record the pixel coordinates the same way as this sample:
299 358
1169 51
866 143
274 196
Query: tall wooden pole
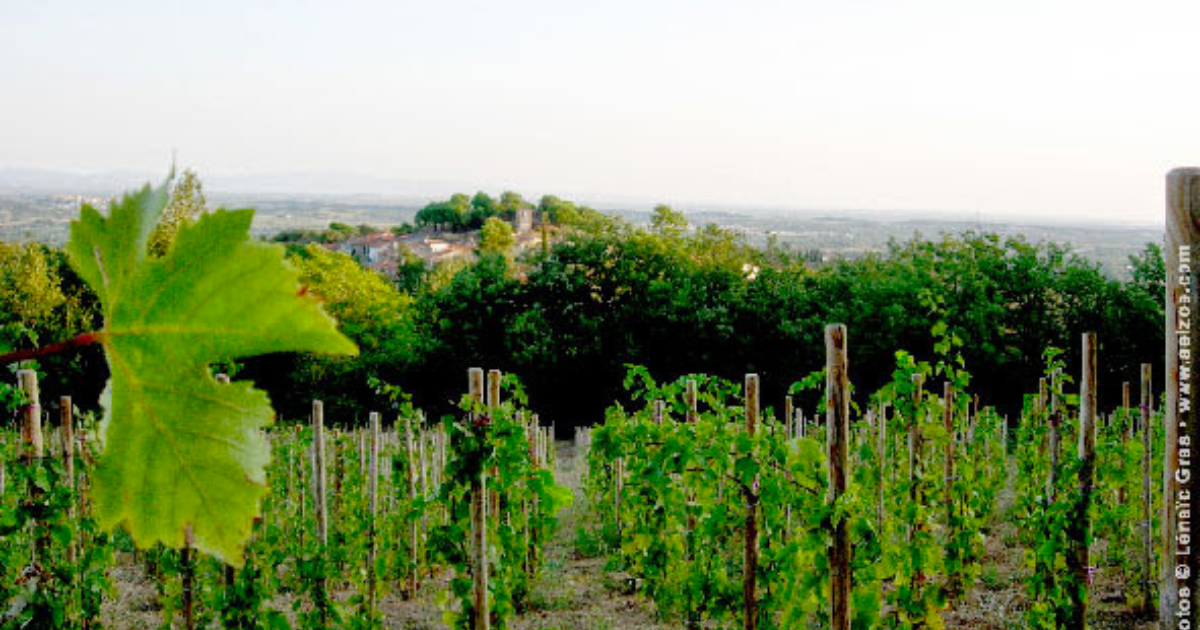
1148 573
881 481
31 424
750 568
31 440
415 467
66 410
373 492
1055 448
1080 525
690 397
788 411
493 403
948 468
916 446
320 504
837 423
1181 568
479 567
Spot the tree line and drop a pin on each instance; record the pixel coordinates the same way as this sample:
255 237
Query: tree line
671 296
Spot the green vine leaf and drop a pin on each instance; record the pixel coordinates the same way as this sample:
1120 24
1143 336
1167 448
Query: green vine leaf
182 453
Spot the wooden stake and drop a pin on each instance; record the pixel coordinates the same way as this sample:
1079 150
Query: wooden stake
479 568
1055 447
1080 525
31 426
690 398
788 411
1148 576
837 421
750 568
31 440
414 468
493 403
68 452
319 499
882 450
948 420
915 447
1181 570
373 492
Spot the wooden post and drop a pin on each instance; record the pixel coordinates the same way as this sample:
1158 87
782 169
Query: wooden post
618 489
414 468
319 503
948 472
882 449
1126 430
692 616
373 492
972 419
916 445
1080 525
320 506
690 397
1126 389
68 445
1148 576
531 555
31 425
1004 437
788 411
837 421
493 403
32 443
750 568
1055 447
1182 567
479 568
658 411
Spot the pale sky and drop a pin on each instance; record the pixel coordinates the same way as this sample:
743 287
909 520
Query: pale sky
1006 109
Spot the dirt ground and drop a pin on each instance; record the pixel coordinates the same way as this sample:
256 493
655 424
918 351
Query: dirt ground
574 593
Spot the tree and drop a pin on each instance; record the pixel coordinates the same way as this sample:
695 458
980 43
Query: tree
668 221
186 203
29 291
561 212
496 237
510 202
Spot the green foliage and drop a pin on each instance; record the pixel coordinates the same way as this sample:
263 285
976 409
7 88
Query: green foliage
183 452
495 441
496 237
682 489
185 204
30 289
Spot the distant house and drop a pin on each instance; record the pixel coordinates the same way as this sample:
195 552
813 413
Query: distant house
372 248
434 250
379 251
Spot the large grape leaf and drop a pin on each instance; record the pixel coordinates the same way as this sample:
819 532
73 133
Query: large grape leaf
182 454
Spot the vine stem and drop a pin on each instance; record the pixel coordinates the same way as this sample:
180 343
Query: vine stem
17 356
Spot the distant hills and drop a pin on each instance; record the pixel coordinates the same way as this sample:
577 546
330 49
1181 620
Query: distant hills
37 204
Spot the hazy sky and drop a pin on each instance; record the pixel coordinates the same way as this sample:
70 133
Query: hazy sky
1020 107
